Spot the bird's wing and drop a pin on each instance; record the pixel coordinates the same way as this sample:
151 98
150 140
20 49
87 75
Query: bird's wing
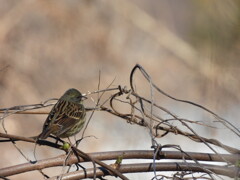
62 117
55 114
72 114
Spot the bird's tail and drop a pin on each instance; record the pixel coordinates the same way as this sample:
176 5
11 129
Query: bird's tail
44 134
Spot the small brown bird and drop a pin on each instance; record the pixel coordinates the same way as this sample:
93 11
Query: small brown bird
67 116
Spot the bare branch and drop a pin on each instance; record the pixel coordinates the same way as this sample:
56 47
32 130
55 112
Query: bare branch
139 154
148 167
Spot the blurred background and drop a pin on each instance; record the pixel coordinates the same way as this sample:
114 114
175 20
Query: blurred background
191 49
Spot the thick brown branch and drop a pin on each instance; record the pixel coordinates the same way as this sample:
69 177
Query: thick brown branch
94 160
113 155
148 167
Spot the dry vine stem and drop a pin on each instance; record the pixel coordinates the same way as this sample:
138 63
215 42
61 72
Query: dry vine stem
139 114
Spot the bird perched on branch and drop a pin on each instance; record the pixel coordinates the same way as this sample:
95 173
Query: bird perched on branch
67 116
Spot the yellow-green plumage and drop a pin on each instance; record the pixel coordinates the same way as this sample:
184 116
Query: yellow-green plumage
67 116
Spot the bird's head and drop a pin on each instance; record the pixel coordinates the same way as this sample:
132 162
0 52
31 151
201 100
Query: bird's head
73 95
